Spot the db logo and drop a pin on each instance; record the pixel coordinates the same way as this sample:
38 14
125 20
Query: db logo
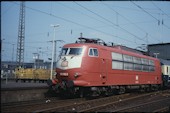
64 63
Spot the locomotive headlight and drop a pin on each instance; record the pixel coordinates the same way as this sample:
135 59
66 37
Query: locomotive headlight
76 75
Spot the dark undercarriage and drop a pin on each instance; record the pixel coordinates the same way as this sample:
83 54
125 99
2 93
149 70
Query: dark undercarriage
67 89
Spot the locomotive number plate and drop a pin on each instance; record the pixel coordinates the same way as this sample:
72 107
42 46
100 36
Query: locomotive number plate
63 74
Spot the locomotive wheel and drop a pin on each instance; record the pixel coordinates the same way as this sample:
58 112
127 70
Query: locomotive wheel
81 94
154 88
121 90
147 89
66 95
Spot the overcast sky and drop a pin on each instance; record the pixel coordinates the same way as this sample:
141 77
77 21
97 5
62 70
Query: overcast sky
128 23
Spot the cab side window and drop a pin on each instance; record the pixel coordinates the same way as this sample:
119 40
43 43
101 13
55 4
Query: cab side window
93 52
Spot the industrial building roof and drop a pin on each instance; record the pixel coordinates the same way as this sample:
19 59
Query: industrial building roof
159 44
165 62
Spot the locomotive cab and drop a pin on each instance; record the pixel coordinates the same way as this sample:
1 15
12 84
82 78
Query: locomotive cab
70 58
78 59
78 63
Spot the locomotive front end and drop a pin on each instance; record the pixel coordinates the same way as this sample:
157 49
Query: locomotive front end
68 68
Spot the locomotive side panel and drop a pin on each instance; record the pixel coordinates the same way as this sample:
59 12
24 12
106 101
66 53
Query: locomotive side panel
114 67
127 71
90 67
94 66
104 66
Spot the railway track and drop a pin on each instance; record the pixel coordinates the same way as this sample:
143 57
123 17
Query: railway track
76 107
154 101
25 103
154 105
129 102
113 104
31 106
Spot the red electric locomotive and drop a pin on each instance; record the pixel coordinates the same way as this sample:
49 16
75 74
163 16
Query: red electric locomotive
90 67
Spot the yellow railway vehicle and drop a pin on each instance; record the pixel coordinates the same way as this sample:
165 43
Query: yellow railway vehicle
31 74
42 74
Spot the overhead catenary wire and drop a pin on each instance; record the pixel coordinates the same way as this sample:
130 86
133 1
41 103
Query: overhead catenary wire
163 13
129 21
67 20
133 9
83 13
93 26
110 22
7 9
160 9
149 14
88 16
144 10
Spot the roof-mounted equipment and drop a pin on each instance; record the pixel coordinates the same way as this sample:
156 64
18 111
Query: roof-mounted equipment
88 40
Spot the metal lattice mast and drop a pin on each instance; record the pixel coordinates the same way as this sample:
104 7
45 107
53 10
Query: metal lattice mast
21 36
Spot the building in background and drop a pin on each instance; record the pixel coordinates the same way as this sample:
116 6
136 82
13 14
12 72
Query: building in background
161 51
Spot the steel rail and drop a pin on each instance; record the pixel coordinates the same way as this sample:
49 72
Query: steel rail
97 108
86 104
164 109
132 108
26 103
31 106
90 105
119 103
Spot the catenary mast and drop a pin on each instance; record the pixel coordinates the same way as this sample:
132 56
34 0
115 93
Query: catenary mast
21 36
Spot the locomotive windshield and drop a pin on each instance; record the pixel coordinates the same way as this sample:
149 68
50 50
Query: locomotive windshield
71 51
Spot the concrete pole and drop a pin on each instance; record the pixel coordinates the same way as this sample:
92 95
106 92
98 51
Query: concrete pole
55 55
53 52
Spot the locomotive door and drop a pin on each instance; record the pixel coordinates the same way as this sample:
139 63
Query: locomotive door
103 68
